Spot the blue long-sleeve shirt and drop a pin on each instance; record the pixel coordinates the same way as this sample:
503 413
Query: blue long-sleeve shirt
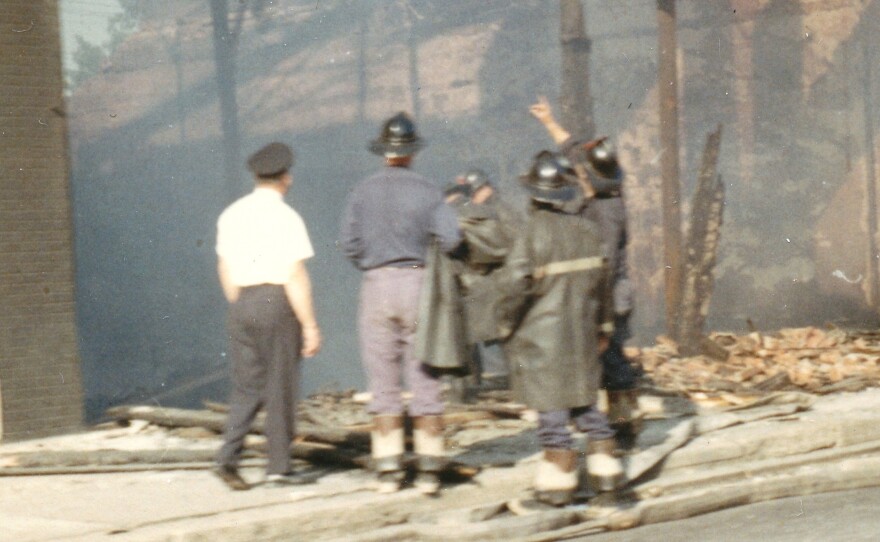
390 218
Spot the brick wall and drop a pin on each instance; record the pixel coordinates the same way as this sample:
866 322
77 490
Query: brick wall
40 382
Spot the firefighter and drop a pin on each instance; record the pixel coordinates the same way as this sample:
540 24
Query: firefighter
488 226
598 169
390 220
557 308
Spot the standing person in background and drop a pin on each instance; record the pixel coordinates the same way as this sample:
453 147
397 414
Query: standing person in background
557 306
489 226
262 245
601 178
389 222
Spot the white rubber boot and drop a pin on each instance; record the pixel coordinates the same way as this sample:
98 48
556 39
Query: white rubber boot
387 447
429 449
604 470
556 478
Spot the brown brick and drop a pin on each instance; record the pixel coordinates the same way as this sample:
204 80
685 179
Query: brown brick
39 375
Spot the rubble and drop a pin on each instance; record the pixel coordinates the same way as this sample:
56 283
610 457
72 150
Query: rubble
807 359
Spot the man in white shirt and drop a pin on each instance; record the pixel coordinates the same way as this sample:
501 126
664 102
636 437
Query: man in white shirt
262 245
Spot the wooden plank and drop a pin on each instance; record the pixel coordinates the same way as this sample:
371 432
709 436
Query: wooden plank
638 464
99 460
178 417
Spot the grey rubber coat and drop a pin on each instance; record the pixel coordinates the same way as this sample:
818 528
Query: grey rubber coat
554 320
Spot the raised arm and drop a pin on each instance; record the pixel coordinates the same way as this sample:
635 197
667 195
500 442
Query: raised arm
544 113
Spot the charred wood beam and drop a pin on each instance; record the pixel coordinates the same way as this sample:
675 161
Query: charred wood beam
98 461
105 458
471 413
225 68
873 290
667 84
701 254
177 417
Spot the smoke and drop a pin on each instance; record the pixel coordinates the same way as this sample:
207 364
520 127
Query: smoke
147 158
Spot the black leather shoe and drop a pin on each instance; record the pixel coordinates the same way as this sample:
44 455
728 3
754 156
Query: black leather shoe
291 479
231 478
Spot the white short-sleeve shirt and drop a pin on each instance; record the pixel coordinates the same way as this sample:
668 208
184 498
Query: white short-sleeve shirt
260 237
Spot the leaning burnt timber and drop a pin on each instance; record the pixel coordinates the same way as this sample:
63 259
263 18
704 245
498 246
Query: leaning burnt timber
700 256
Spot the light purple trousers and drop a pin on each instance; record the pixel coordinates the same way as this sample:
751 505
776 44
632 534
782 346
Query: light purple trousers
387 318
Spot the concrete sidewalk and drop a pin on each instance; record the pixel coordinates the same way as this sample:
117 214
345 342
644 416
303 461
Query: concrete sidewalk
194 505
189 505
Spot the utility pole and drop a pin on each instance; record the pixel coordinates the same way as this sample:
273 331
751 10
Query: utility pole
873 292
575 100
667 83
224 61
412 45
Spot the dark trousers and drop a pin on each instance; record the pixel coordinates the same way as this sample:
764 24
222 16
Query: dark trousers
489 358
264 347
618 374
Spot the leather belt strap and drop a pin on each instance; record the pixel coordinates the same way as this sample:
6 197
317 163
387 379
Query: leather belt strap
569 266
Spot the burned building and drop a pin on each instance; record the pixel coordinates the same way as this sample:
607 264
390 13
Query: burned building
790 81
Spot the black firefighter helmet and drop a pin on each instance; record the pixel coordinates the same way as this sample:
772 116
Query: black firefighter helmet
551 178
398 138
603 158
476 178
457 189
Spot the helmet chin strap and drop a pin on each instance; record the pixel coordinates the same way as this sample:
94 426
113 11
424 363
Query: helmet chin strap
398 161
594 142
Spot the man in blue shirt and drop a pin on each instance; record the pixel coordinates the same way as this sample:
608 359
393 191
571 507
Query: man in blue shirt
390 220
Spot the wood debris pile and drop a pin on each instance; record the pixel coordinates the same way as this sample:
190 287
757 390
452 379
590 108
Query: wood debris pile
808 359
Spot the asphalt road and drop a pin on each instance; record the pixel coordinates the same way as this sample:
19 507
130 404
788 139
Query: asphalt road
847 516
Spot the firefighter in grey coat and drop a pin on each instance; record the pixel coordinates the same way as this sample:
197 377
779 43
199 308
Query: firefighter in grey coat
489 226
557 308
602 178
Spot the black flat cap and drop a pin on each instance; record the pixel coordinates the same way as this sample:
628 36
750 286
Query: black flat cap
273 159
